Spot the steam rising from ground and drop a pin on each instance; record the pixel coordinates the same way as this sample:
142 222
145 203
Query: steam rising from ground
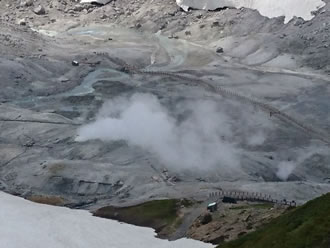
300 157
285 169
198 137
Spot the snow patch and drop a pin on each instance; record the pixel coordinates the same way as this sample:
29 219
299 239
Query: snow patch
31 225
269 8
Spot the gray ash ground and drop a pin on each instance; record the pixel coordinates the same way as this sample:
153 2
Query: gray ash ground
45 99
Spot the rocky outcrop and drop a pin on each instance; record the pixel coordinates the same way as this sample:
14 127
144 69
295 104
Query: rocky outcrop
96 1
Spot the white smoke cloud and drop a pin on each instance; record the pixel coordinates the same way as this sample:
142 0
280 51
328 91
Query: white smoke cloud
201 139
256 139
285 169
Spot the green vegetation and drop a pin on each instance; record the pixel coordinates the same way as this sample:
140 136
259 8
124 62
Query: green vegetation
162 215
258 206
307 226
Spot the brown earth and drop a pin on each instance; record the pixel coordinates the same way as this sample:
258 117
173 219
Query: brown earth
232 221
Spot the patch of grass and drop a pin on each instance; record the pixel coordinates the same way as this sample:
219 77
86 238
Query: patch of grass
158 214
307 226
187 203
49 200
257 206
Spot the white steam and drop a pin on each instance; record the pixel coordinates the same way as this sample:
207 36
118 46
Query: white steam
285 169
201 139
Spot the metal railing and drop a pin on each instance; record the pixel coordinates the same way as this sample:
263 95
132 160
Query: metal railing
249 196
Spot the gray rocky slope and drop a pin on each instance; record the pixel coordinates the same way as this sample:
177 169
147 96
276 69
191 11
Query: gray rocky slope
269 79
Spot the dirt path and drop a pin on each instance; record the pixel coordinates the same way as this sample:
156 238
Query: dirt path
188 220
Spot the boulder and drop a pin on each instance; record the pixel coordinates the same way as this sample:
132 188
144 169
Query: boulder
206 218
21 22
219 50
103 2
26 3
40 10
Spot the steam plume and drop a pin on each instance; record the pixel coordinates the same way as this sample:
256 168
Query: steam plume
201 139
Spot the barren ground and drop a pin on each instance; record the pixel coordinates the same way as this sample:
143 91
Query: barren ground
45 99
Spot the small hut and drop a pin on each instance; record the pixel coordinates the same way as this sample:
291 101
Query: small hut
212 207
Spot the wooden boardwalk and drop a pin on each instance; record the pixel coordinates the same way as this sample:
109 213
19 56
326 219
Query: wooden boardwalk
249 196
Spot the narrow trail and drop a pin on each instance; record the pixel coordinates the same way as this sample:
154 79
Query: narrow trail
12 159
187 222
274 112
40 122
